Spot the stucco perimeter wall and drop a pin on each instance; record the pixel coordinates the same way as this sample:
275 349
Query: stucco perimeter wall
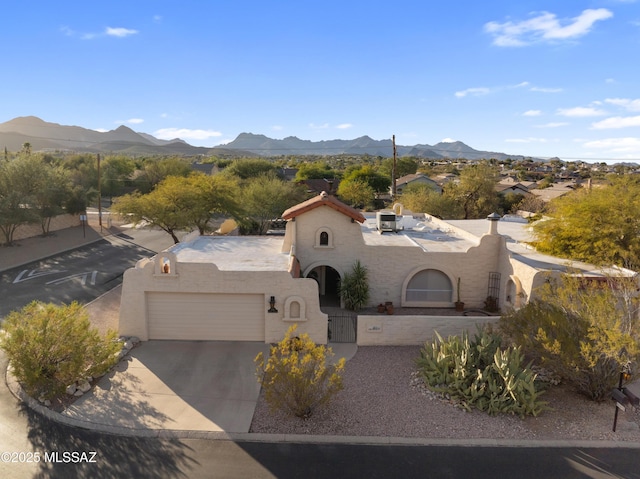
147 277
383 330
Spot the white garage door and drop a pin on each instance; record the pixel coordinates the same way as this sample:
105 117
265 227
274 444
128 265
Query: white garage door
206 316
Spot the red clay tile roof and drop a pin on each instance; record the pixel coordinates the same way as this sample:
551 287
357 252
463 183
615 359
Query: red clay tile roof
323 199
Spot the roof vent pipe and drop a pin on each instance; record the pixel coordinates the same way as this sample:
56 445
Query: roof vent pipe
493 223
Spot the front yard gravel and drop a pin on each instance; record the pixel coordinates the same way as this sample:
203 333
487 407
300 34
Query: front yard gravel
381 397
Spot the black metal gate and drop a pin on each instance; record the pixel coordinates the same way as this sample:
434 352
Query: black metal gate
343 327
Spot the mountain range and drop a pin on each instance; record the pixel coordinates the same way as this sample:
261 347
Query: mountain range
45 136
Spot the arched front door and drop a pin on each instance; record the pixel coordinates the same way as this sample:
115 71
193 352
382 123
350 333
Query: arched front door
328 284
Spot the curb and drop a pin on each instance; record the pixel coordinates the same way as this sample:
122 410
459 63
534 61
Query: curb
33 404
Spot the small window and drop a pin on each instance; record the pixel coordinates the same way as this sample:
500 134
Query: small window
324 239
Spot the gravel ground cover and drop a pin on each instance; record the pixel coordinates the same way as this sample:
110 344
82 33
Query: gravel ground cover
381 397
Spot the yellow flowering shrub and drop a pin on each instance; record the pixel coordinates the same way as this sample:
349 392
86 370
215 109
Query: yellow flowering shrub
298 376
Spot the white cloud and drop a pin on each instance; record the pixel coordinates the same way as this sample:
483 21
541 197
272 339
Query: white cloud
618 145
448 140
108 31
545 90
552 125
532 113
631 105
344 126
277 128
616 122
185 134
526 140
544 26
580 112
135 121
119 32
473 91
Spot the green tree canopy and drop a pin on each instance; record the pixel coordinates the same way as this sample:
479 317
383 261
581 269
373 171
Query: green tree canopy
265 198
246 168
181 203
17 193
315 170
599 225
421 198
367 173
357 193
475 192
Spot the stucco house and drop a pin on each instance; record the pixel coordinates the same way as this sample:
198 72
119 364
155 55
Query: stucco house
254 288
416 178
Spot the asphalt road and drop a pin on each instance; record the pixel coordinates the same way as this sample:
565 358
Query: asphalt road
79 275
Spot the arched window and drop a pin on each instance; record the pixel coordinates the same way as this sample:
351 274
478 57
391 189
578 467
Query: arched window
429 285
324 238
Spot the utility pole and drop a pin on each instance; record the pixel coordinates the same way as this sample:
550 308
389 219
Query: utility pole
393 170
99 196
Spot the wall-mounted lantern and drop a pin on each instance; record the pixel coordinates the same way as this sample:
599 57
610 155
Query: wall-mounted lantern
272 304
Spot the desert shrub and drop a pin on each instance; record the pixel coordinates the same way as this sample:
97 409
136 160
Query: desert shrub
354 287
477 373
51 347
583 331
298 377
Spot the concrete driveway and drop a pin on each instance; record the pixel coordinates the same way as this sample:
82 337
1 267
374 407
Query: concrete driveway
178 385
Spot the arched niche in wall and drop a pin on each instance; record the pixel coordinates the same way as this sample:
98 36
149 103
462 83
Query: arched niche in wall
166 263
295 309
323 238
515 295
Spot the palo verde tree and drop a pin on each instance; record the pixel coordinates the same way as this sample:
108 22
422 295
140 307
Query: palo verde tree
264 198
600 225
582 329
180 203
475 191
424 199
17 190
357 193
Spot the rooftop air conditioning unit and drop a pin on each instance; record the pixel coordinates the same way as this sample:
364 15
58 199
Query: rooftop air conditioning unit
386 221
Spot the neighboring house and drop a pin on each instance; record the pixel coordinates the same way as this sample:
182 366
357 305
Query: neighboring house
254 288
318 185
288 174
555 190
416 178
518 188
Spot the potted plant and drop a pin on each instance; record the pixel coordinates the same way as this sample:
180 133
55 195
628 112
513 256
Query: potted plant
459 304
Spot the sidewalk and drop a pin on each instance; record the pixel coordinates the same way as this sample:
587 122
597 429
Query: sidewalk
39 247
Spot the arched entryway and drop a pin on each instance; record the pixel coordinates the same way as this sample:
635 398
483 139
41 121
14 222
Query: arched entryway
328 284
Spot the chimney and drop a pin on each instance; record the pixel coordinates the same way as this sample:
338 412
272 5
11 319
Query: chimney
493 223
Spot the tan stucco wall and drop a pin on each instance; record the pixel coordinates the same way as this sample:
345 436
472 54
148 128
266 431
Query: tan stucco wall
394 330
207 278
391 267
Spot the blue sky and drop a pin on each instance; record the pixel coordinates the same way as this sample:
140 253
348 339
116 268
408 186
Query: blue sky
539 78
